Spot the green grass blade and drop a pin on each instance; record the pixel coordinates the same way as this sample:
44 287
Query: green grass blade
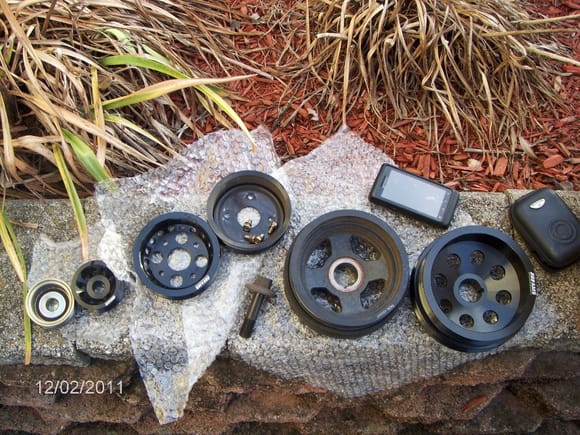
205 86
143 62
74 199
27 328
12 247
14 252
87 157
160 89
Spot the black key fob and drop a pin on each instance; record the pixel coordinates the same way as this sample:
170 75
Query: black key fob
549 228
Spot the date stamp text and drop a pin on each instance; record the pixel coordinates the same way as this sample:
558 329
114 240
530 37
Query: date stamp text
79 387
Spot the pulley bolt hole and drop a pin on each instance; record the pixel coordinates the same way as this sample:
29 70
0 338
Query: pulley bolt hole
477 257
52 305
440 280
497 272
445 306
466 321
490 317
176 281
99 289
453 261
503 297
181 238
201 261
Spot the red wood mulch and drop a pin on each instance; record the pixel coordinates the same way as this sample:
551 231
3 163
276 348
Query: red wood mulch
298 128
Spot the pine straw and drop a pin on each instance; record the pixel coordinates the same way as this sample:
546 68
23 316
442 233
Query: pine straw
49 51
476 63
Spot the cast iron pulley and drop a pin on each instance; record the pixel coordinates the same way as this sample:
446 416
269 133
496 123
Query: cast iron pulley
345 273
176 255
473 288
95 287
50 303
249 211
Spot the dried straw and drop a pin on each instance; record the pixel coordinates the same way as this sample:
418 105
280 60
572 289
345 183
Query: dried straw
50 57
478 64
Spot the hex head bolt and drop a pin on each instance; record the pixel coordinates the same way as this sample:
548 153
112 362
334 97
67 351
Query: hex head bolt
261 289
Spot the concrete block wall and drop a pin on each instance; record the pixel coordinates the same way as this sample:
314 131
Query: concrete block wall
521 390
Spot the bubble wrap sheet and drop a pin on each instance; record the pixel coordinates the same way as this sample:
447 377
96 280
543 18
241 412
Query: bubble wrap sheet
174 342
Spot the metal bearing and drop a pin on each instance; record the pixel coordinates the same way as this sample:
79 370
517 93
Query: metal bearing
249 211
50 303
95 287
346 273
473 288
176 255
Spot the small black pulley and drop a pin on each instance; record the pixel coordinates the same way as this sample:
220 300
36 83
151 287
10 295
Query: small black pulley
345 274
95 287
473 288
249 211
176 255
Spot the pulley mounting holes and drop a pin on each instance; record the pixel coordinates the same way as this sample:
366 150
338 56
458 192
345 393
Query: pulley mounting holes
345 274
471 288
176 255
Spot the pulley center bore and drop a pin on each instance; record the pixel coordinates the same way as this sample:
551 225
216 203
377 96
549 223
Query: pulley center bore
346 274
469 288
51 305
98 287
249 217
179 259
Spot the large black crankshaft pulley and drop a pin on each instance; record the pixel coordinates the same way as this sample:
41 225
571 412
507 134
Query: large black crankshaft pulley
345 274
473 288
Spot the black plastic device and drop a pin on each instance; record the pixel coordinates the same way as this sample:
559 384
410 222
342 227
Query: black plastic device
414 195
548 227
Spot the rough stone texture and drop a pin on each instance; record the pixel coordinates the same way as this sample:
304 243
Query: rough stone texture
505 414
560 365
234 398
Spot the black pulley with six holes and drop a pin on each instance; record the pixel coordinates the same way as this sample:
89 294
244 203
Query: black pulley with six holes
345 273
176 255
473 288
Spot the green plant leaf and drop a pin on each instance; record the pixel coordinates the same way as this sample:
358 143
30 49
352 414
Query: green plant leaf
132 126
160 89
74 200
12 247
143 62
14 253
204 86
87 157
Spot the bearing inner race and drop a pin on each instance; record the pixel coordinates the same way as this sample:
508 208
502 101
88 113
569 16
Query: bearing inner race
51 305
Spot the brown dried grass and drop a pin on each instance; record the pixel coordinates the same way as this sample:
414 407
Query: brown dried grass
51 51
479 64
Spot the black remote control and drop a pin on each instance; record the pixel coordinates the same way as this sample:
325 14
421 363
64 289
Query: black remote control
548 226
